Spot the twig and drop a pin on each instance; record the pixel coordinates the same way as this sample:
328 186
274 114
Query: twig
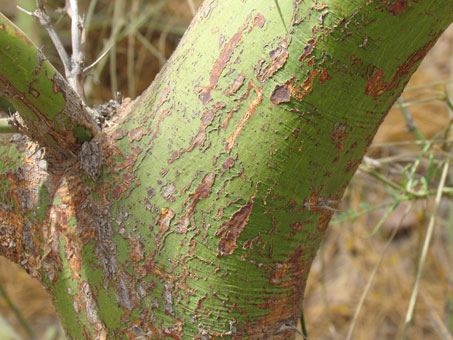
418 87
103 54
449 309
77 58
438 324
119 32
421 263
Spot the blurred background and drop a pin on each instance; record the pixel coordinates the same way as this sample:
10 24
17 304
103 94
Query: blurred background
362 281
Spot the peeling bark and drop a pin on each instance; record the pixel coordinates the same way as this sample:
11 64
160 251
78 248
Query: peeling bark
198 214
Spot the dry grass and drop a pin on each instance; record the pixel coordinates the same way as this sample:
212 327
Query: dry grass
348 256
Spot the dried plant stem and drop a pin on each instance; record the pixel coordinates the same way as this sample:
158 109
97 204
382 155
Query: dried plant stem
410 122
438 324
131 79
421 263
151 48
192 7
118 22
373 275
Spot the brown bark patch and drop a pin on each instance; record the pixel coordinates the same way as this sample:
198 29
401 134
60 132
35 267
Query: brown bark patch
202 191
221 63
398 6
281 94
246 116
237 84
164 220
307 87
377 85
230 230
259 20
339 135
136 134
324 76
308 49
34 92
278 59
200 138
228 163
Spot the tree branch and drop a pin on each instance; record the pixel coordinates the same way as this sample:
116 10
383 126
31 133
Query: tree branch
53 114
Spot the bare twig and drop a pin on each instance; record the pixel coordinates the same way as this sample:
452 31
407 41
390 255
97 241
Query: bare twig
103 54
77 58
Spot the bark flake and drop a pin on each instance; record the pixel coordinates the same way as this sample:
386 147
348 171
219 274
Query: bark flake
230 230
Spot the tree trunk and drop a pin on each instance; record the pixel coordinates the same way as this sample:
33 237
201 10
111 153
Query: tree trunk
198 213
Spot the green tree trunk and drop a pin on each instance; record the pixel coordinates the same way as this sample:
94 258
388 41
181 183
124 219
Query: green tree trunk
198 213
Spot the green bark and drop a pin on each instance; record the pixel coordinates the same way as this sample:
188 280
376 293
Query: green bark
52 113
218 183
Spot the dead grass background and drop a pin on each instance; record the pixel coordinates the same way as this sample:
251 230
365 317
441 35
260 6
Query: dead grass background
348 255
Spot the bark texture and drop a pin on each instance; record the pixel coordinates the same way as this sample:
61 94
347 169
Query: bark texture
51 113
217 184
